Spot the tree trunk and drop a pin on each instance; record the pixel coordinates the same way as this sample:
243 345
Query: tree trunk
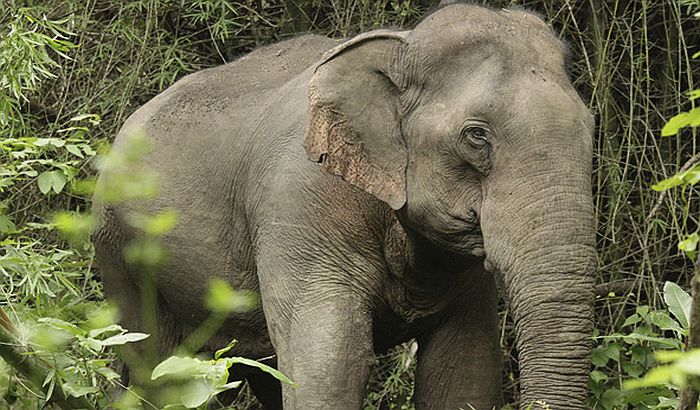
689 395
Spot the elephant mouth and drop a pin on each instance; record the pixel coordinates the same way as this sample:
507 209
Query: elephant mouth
464 234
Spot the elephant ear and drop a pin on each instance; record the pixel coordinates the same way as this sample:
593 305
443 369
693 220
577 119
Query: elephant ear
354 115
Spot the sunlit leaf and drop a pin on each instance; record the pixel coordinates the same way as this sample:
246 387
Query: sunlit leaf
664 321
228 347
689 245
182 367
63 325
678 302
689 362
123 339
632 320
74 226
94 119
73 149
107 329
656 376
195 393
267 369
51 180
76 390
675 124
597 376
221 297
160 223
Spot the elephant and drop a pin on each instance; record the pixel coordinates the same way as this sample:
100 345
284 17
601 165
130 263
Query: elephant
373 190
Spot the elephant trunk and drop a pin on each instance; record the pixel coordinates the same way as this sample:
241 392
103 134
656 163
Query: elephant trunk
553 323
543 247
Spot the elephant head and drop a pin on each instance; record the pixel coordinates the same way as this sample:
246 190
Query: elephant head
470 128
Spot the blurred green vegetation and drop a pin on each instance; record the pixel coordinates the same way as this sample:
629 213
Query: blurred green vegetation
72 71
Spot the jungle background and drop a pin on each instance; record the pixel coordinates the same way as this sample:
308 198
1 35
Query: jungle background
71 71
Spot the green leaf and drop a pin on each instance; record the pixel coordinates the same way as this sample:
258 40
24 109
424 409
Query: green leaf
108 373
94 119
664 322
228 347
63 325
182 367
656 376
681 120
56 142
74 226
125 338
222 298
195 393
160 223
632 320
51 180
598 357
675 124
678 302
92 344
597 376
633 369
73 149
642 311
107 329
76 390
689 245
267 369
689 363
665 356
6 224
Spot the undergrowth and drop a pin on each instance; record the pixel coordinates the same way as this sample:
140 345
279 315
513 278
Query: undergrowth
72 71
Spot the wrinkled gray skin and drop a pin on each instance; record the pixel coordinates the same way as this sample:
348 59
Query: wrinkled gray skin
455 146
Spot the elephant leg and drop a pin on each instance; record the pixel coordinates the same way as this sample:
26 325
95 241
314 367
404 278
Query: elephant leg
459 362
327 352
266 388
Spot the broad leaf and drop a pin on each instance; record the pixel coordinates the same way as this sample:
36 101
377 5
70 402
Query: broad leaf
683 119
73 149
665 322
182 367
267 369
689 245
125 338
77 390
195 393
678 302
51 180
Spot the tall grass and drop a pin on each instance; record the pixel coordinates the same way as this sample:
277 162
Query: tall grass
631 60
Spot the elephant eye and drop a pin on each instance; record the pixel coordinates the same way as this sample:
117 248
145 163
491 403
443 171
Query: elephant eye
476 136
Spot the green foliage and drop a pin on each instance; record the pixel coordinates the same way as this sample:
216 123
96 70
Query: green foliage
621 358
392 380
72 71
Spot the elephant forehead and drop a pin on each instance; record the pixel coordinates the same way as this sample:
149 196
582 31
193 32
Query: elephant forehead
518 37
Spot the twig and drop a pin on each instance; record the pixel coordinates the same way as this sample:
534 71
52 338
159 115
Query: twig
619 287
694 160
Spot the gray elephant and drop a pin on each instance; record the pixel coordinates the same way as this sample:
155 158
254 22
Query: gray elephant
372 191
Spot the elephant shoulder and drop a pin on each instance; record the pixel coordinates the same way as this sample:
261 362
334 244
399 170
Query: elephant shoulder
232 90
